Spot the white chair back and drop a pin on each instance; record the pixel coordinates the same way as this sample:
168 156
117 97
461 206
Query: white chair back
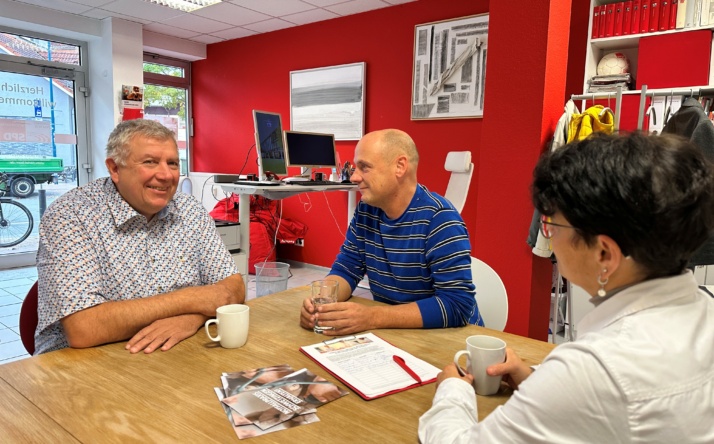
185 185
491 295
459 163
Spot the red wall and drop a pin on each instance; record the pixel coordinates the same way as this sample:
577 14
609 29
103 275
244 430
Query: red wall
253 73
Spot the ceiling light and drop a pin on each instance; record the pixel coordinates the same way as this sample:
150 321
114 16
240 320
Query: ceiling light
185 5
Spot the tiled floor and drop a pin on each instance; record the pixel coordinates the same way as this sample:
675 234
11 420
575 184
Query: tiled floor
14 284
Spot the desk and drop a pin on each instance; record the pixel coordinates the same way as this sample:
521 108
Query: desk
105 394
278 192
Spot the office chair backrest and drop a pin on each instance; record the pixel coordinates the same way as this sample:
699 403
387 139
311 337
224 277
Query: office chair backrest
459 163
491 295
28 319
185 185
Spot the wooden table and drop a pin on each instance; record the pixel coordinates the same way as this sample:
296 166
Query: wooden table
105 394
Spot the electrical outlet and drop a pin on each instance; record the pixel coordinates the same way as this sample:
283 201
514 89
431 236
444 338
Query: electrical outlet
300 242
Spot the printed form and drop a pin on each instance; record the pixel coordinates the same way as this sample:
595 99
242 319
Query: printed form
370 365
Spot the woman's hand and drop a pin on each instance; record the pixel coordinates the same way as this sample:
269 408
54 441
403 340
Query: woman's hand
514 371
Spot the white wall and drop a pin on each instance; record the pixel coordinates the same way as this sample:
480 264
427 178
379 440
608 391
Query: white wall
116 59
205 190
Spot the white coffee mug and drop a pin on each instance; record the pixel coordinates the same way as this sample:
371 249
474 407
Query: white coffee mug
232 322
481 352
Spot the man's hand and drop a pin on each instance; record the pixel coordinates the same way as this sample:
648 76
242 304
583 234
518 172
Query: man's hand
450 371
344 318
307 318
165 333
350 317
514 371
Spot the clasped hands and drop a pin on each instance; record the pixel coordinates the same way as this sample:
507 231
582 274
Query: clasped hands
343 317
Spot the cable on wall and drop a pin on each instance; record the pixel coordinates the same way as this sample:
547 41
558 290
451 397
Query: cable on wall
329 207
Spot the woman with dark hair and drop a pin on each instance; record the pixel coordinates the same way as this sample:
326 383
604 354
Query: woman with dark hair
624 215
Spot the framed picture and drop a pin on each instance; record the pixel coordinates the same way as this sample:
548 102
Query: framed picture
329 100
449 72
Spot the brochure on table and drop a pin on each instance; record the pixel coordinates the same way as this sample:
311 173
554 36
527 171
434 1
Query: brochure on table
268 399
371 366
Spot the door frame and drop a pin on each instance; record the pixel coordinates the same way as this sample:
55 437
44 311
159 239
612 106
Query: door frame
76 73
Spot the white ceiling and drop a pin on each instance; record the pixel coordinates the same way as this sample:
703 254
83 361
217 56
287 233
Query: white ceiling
231 19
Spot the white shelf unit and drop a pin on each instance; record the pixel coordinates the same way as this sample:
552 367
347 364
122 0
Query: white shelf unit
628 45
596 48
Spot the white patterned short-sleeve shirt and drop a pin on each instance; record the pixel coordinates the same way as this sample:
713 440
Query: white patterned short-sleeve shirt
94 247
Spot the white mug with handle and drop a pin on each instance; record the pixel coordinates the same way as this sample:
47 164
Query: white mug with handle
232 322
481 352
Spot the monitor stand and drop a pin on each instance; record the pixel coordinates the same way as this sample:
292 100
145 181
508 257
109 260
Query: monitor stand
305 174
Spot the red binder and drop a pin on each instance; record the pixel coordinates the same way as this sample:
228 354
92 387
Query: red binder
687 56
595 22
635 29
664 11
609 20
619 17
645 15
673 10
603 19
654 16
627 20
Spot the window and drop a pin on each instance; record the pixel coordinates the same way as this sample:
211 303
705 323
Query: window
43 124
166 99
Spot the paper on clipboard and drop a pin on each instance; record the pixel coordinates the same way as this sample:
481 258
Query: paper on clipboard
366 364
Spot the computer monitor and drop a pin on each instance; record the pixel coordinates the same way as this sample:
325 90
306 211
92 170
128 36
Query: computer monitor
310 150
269 143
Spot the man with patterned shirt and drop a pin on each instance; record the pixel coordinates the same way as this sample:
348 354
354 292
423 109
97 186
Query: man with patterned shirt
125 257
411 243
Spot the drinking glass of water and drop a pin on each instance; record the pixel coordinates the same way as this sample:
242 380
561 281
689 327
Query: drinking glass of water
323 292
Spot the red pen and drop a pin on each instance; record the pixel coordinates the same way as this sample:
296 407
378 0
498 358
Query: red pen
400 362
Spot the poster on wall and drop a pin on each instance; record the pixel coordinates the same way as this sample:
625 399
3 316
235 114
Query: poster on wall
449 72
132 102
329 100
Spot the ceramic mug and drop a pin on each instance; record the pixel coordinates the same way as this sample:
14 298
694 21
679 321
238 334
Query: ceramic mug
232 322
481 352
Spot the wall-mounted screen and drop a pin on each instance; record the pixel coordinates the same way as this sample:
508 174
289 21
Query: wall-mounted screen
269 143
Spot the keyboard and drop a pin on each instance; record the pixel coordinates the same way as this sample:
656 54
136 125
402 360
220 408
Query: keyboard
257 183
312 183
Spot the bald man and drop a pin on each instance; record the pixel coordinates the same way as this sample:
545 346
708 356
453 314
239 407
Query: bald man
411 243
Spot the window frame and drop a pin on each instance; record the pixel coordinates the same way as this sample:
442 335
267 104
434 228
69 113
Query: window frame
176 82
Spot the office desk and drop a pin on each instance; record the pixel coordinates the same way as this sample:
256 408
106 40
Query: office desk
105 394
277 193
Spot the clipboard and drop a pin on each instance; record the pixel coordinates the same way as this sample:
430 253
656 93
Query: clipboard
370 366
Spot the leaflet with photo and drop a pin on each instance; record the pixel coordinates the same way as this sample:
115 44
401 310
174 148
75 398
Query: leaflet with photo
371 366
243 428
282 399
236 382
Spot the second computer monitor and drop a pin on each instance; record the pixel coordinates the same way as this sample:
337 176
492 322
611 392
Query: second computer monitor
269 143
310 150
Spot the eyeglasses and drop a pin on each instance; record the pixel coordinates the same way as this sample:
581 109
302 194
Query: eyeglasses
547 227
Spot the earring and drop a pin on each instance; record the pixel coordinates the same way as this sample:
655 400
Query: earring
601 292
